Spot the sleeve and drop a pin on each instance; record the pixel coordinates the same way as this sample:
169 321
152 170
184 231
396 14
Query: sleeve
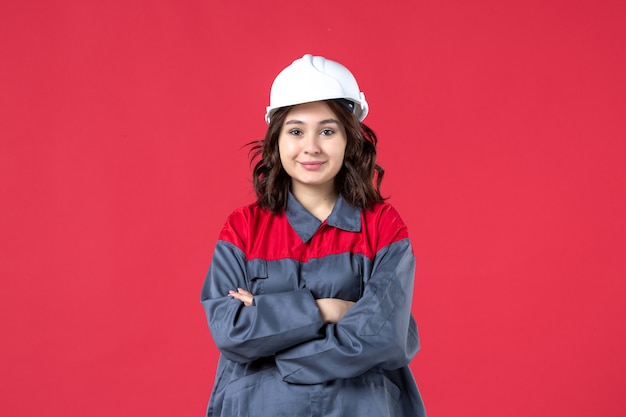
273 323
378 331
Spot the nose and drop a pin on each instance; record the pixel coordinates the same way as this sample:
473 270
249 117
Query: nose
311 145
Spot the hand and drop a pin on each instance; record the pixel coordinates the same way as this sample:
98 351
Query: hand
242 295
333 309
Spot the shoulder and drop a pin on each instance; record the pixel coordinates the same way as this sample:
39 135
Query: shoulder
383 213
246 213
241 221
384 221
237 225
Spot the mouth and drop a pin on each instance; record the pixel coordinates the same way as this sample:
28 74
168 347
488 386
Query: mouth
312 165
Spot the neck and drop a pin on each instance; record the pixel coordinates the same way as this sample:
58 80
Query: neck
318 202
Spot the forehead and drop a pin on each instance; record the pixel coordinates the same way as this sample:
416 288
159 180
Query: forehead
311 113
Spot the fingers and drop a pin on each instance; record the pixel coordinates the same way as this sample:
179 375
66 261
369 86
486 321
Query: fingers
242 295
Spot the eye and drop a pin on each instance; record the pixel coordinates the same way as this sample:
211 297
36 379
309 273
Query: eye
295 132
327 132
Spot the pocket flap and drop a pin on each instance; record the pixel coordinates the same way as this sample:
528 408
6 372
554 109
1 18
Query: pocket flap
257 269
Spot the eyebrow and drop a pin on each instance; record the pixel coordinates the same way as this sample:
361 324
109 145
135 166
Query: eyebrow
322 122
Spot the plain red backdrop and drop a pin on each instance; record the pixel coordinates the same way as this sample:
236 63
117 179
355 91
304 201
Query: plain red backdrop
502 132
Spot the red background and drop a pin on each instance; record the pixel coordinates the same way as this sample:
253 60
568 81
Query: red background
501 128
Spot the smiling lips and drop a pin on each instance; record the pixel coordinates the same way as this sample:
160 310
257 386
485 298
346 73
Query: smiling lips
312 165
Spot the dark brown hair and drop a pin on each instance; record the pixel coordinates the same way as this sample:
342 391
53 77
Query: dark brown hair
358 180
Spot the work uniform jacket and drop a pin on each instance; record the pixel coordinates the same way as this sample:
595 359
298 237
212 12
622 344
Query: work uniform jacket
278 358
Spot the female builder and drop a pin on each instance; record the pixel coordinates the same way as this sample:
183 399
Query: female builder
308 296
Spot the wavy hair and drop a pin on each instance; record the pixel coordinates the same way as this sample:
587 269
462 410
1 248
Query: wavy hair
358 181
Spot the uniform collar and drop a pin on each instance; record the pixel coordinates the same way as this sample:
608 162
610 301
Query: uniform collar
344 216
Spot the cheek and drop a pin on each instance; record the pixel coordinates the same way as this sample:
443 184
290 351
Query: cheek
282 152
340 152
285 154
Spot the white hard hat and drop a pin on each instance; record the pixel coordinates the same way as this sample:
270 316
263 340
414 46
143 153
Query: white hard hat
314 78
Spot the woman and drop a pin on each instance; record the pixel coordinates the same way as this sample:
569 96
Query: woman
308 296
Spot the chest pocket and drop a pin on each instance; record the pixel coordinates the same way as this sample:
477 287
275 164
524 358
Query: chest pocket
268 277
335 276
